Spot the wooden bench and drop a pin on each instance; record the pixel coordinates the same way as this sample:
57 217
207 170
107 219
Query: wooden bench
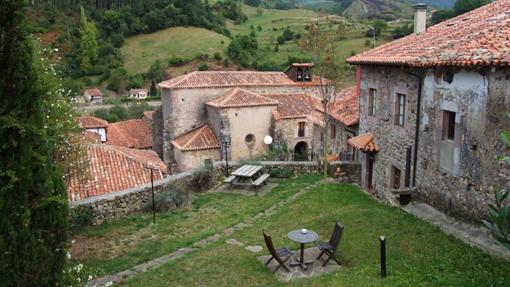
229 179
260 180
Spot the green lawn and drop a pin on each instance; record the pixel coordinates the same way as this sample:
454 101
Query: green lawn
418 253
124 243
142 50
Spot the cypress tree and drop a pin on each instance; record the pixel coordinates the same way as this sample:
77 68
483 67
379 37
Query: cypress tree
33 205
153 91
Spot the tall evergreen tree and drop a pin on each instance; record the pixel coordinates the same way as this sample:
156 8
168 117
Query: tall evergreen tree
89 48
33 205
153 91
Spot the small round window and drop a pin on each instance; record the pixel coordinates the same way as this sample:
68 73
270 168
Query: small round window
249 139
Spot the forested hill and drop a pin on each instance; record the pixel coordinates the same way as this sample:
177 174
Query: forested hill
389 9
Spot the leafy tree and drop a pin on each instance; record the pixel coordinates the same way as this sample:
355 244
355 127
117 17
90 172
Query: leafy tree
288 34
33 225
242 48
319 44
402 31
280 40
253 3
89 47
203 67
463 6
341 31
156 72
377 27
135 81
460 7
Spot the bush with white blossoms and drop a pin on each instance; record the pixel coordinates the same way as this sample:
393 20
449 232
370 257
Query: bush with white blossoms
60 122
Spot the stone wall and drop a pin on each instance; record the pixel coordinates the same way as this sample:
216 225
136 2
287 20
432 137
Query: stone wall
480 99
351 169
119 204
392 139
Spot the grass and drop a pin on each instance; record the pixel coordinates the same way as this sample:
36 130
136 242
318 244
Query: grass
419 254
124 243
142 50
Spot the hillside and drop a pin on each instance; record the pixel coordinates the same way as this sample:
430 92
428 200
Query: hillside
380 9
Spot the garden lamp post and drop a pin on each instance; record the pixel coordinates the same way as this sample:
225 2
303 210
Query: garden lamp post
373 34
226 144
268 140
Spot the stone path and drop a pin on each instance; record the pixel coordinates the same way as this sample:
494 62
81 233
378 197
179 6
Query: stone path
476 236
179 253
314 269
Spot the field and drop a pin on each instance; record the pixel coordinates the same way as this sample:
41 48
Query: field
419 254
142 50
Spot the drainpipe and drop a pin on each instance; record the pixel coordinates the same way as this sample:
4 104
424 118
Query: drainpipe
418 119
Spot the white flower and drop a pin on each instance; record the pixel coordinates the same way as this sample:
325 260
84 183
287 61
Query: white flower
109 283
68 255
90 278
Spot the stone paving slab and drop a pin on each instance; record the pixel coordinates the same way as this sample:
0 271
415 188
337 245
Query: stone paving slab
297 272
474 235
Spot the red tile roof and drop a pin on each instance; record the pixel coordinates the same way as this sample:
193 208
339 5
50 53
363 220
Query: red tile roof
364 142
91 137
201 138
240 98
219 79
94 92
90 122
113 168
291 106
345 108
478 38
131 133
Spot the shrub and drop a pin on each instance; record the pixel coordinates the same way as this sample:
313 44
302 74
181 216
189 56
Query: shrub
167 200
203 67
80 216
217 56
281 172
177 61
201 180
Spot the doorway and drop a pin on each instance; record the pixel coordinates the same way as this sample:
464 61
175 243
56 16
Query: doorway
369 172
300 151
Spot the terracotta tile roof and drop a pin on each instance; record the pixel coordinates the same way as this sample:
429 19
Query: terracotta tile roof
217 79
90 122
364 142
148 114
478 38
345 108
291 106
131 133
201 138
241 98
91 137
136 91
114 168
94 92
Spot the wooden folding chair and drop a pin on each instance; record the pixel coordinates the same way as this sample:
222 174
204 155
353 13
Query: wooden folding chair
281 254
329 248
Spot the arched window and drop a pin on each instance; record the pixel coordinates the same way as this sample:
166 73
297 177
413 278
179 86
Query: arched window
307 75
299 75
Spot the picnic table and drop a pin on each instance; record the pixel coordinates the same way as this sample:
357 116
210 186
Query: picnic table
247 175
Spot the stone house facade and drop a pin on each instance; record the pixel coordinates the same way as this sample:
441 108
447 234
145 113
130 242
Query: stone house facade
430 117
241 108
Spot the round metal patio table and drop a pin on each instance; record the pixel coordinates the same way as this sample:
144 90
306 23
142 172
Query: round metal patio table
302 238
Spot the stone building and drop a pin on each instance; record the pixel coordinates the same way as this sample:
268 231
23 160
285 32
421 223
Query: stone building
93 96
432 106
240 108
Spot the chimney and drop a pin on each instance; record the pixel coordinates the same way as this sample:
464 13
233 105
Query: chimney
420 18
